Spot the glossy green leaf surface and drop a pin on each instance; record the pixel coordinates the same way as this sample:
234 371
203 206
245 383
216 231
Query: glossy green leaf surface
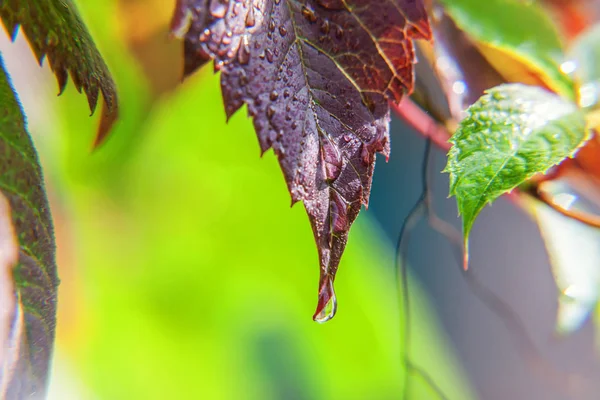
511 133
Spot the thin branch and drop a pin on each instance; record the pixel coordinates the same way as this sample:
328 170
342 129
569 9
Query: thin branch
526 346
401 269
422 122
426 126
583 217
437 134
427 379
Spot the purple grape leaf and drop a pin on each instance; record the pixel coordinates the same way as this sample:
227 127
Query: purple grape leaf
316 76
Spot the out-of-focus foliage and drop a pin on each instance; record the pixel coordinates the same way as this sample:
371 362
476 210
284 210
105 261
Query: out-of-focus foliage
56 32
8 301
185 272
584 56
572 16
552 44
515 29
585 53
574 250
31 264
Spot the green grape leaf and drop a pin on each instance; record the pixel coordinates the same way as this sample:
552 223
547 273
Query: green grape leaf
519 28
55 30
23 374
510 134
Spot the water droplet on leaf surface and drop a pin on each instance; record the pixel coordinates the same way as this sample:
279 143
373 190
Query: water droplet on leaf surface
250 17
308 13
218 8
269 55
244 51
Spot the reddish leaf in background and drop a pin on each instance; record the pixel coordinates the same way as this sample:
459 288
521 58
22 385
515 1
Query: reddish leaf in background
316 76
574 16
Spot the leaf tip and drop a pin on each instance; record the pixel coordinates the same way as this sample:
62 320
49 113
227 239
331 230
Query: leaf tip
466 255
107 120
327 303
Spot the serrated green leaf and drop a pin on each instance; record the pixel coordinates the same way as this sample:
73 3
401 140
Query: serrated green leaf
55 30
520 28
510 134
35 278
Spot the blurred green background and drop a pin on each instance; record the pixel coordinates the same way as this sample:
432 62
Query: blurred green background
185 273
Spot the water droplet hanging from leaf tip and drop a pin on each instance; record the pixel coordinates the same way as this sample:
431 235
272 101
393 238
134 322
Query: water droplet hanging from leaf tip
326 311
